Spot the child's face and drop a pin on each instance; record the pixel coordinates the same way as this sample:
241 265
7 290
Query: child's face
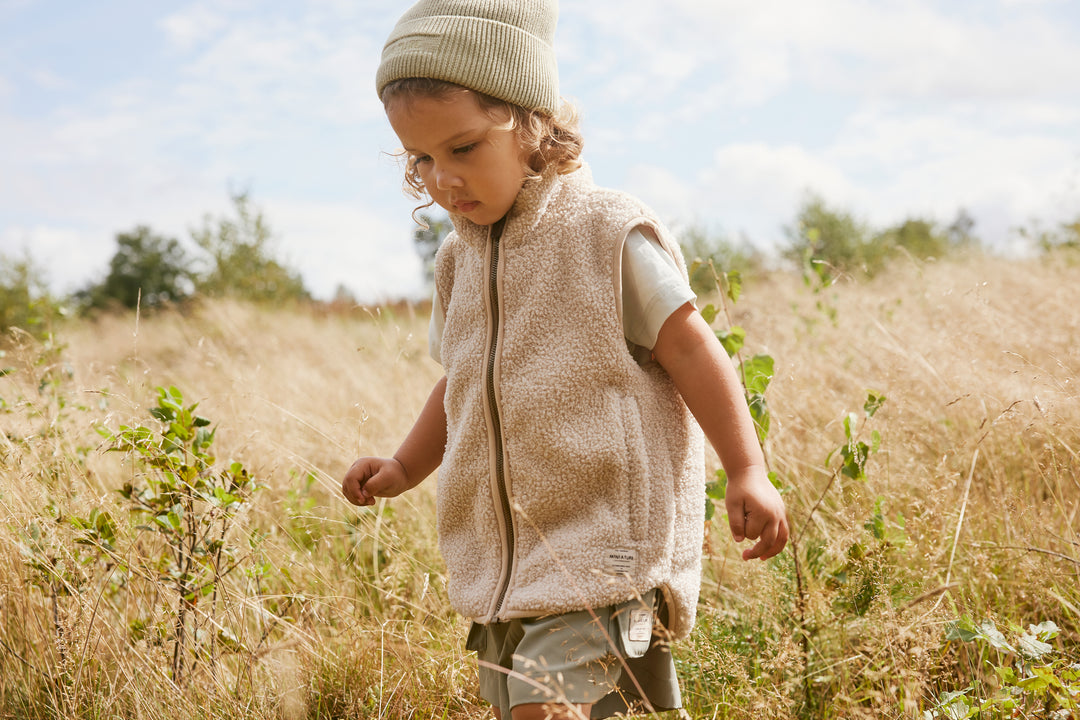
470 163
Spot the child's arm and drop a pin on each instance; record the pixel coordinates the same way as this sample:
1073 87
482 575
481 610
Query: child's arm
419 455
688 350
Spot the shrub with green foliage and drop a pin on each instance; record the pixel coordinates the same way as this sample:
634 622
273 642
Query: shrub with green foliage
241 261
707 255
25 302
920 238
427 238
146 271
828 243
1066 236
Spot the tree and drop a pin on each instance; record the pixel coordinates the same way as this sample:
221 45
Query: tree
241 263
919 237
827 242
960 230
698 244
427 238
1065 237
147 270
25 302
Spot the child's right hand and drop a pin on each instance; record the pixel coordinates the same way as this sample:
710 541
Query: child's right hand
372 477
756 512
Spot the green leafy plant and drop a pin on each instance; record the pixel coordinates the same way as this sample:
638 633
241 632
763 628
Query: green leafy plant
188 502
147 270
241 259
756 372
25 301
1033 680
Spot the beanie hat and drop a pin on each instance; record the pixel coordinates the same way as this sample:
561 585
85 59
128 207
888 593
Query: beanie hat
501 48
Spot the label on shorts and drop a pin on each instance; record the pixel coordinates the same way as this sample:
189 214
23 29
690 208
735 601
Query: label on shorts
640 625
620 562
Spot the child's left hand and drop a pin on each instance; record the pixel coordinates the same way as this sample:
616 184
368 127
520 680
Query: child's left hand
756 512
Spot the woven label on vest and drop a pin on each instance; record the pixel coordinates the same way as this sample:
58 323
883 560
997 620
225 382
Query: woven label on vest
620 561
641 621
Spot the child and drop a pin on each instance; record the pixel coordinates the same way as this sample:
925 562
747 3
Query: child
571 484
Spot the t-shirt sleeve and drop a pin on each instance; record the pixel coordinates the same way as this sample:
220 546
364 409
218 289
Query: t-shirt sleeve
653 287
435 328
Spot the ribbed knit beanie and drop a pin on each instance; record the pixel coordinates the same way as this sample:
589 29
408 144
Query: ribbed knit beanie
502 48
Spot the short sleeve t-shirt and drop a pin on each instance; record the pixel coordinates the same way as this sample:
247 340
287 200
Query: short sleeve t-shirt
652 289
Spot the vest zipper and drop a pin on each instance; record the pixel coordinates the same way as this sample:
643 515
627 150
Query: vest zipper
496 424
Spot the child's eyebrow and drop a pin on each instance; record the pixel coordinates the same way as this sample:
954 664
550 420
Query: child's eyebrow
474 134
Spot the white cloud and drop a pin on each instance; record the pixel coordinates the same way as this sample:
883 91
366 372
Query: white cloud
191 26
342 244
749 53
65 255
718 110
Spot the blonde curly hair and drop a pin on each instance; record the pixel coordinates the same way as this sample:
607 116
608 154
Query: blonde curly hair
550 141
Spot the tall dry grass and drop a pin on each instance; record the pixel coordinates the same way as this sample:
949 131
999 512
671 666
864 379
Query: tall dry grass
974 491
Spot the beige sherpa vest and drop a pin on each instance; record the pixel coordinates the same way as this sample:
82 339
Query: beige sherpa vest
573 476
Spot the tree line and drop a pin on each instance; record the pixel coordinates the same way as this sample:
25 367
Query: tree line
236 259
148 270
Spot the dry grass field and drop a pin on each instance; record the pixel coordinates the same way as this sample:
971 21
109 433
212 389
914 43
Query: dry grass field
964 514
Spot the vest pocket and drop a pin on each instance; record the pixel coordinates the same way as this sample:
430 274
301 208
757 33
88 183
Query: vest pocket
637 469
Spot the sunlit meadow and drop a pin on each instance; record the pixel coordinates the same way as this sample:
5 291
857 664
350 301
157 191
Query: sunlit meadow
932 573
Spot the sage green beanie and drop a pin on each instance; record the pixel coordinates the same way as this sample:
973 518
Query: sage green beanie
502 48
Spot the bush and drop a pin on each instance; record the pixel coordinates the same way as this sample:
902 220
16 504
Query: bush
25 302
828 243
700 248
147 270
241 263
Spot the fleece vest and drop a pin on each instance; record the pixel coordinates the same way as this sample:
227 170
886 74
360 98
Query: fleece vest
573 475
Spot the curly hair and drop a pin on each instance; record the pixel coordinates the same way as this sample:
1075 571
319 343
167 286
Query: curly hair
550 141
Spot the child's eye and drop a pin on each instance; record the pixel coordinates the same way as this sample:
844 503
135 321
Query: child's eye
417 159
464 149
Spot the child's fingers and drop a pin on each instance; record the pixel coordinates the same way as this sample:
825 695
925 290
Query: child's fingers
773 539
356 478
766 542
737 522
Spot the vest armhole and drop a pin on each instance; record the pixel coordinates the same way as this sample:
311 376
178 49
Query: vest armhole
648 229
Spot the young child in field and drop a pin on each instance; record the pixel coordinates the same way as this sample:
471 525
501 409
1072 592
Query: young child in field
578 379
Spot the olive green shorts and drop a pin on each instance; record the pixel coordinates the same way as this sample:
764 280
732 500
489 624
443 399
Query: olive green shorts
615 658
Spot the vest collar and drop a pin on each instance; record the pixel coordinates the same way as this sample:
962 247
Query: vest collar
529 208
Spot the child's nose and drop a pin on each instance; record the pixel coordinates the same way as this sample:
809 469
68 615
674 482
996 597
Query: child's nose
445 179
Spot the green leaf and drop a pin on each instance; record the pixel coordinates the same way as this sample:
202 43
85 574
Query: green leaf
873 403
962 630
1045 630
1006 674
732 339
203 437
709 312
876 523
717 489
714 493
989 633
732 281
759 411
1032 647
1042 679
855 455
849 421
756 373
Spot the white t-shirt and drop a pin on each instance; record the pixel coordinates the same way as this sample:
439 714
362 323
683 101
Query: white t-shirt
652 289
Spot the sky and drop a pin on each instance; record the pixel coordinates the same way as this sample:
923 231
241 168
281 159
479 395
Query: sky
724 115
